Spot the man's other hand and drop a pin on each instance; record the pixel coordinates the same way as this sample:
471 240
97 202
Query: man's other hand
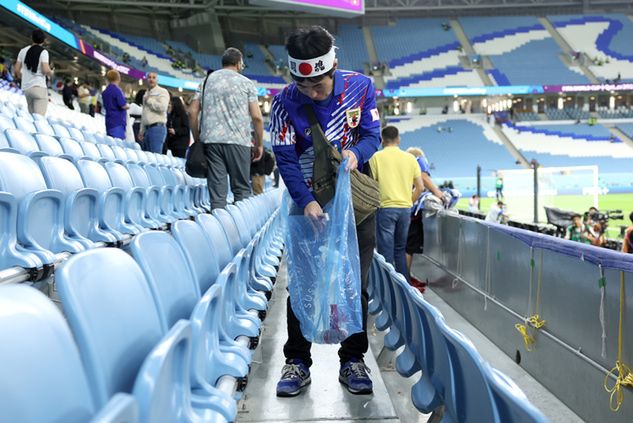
257 153
352 163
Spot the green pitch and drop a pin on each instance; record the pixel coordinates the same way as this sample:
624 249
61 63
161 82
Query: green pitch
580 204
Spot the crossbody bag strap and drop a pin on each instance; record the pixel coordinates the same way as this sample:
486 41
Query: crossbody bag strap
319 140
204 85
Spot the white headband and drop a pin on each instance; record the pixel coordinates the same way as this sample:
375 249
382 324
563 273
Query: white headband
309 68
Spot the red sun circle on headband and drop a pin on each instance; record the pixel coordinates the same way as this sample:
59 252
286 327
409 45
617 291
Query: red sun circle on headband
305 68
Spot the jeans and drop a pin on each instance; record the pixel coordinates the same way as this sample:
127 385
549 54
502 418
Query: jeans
392 229
154 138
232 160
356 345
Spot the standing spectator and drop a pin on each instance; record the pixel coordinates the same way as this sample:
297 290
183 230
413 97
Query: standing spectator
499 186
69 92
135 111
4 69
229 109
627 244
155 102
84 98
260 169
115 106
496 213
345 104
178 134
396 171
32 66
415 238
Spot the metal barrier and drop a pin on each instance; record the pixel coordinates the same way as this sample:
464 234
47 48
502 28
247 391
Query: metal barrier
498 277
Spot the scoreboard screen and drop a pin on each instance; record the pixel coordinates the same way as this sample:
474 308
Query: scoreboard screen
342 8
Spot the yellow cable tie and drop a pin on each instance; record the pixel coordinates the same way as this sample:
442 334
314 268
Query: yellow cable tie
536 321
527 339
624 378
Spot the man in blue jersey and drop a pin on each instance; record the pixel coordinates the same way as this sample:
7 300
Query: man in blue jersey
345 106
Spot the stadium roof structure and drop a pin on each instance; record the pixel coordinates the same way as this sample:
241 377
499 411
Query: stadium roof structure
183 8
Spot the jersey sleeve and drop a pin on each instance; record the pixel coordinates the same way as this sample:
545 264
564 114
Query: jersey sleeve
283 140
424 165
369 127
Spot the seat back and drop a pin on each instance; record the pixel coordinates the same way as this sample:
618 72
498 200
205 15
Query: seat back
139 176
22 141
91 150
106 152
61 131
230 229
198 250
24 124
33 389
43 127
112 314
217 238
512 404
154 175
60 174
119 152
471 393
71 147
6 123
89 137
49 145
171 282
75 134
119 176
94 175
242 225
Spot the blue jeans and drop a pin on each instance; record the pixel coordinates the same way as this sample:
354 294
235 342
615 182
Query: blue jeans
154 138
392 228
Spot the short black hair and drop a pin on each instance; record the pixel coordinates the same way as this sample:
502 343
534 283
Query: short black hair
138 99
389 134
576 215
308 43
38 36
231 57
631 217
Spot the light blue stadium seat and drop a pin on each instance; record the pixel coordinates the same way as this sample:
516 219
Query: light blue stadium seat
153 199
11 253
116 325
176 293
49 145
6 123
512 404
408 361
24 114
398 313
21 141
40 223
243 227
132 155
101 138
249 284
72 148
230 229
83 208
75 134
55 389
168 195
435 381
91 151
182 199
217 237
112 200
61 130
106 152
89 137
24 124
135 199
120 153
43 127
471 394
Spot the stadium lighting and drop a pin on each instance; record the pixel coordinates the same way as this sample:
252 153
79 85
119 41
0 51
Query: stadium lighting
103 87
561 103
76 80
409 107
456 106
484 103
612 102
179 89
396 111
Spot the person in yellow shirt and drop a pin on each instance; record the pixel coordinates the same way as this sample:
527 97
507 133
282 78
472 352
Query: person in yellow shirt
396 171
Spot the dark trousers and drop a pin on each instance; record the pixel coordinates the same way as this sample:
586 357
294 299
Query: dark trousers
357 344
232 160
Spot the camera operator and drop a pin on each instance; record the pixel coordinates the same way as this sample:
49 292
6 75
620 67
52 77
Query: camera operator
579 231
597 234
627 244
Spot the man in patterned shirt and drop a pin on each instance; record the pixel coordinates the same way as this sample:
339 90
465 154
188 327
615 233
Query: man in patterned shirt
345 106
229 110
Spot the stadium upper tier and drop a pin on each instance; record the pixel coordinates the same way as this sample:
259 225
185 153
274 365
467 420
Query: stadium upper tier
605 39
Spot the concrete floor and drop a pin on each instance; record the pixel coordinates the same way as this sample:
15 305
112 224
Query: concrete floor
327 400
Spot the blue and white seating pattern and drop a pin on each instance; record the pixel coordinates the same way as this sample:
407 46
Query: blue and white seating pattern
454 378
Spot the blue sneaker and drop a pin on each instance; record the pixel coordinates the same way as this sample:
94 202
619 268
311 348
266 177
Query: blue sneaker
294 376
354 375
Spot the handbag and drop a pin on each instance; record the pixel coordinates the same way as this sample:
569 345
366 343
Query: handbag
196 161
365 191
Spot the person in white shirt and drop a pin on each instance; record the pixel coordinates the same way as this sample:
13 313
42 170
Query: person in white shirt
154 116
473 204
497 213
32 67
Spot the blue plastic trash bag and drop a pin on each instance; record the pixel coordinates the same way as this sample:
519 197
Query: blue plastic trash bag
324 267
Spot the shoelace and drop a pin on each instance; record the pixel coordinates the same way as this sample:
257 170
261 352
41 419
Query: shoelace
360 370
291 371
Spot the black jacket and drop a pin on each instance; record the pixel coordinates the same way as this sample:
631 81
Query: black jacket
180 123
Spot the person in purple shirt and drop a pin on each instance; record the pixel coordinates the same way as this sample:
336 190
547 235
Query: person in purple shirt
115 106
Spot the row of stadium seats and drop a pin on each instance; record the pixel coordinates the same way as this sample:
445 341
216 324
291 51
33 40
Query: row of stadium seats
453 374
164 333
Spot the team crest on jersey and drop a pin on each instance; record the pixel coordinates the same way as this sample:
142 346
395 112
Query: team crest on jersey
353 117
308 131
